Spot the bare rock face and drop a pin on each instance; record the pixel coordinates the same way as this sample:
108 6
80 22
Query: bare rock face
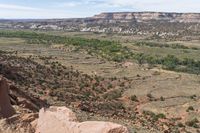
63 120
99 127
6 109
55 119
20 98
60 113
147 16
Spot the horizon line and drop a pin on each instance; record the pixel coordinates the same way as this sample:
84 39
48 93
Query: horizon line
173 12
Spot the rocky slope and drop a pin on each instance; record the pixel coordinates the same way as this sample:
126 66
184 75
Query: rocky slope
42 82
17 114
54 119
25 85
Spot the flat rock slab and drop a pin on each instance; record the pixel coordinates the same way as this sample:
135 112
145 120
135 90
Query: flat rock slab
63 120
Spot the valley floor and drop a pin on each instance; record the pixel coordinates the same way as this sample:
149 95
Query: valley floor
154 99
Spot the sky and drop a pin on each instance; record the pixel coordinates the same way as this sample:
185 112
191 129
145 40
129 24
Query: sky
19 9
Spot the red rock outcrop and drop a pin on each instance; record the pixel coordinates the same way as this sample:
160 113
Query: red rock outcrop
14 100
63 120
6 109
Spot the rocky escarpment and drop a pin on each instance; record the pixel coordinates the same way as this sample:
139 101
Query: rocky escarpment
149 16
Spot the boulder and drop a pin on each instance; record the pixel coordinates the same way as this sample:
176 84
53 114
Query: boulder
6 109
63 120
99 127
56 120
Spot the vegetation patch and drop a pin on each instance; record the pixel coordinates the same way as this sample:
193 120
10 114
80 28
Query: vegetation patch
193 123
110 50
164 45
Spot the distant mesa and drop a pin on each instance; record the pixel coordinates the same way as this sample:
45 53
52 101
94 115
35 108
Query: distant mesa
147 16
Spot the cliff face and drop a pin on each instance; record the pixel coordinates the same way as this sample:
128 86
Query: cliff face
148 16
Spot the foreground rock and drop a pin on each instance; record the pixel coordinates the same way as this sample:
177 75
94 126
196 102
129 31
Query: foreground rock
18 111
6 109
63 120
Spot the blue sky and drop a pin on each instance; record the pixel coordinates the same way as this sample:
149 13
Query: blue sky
85 8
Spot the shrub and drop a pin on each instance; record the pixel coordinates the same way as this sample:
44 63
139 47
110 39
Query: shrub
170 62
190 108
154 117
134 98
149 95
113 94
180 124
161 116
193 96
193 123
162 98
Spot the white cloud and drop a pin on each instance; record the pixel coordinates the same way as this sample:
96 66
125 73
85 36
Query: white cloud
38 14
83 8
149 5
20 12
68 4
17 7
121 3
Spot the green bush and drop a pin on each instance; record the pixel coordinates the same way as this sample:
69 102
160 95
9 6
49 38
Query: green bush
162 98
154 117
164 45
190 108
134 98
193 123
180 124
114 94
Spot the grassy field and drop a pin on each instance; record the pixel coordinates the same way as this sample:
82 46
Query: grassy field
115 51
158 51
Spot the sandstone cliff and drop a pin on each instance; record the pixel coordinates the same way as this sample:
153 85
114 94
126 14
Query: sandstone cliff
148 16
